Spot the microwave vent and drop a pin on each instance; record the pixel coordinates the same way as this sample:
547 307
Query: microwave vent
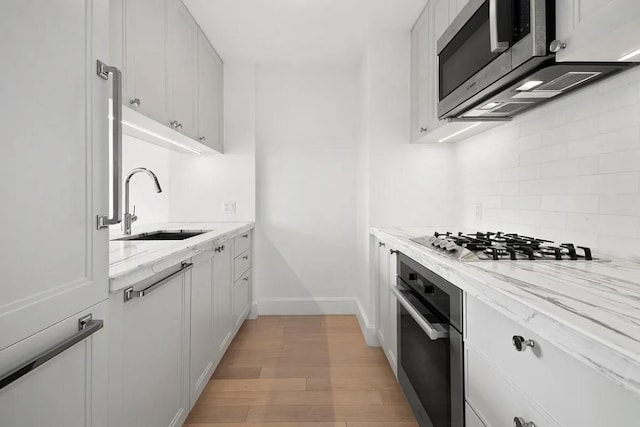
510 108
567 81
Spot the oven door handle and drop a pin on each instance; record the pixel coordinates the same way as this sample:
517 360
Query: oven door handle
433 331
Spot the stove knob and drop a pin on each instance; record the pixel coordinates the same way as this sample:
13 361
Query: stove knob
520 422
444 244
451 247
436 241
431 240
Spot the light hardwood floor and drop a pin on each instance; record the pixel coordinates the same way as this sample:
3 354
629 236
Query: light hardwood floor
302 371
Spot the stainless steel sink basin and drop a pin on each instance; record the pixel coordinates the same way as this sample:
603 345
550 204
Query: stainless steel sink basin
165 235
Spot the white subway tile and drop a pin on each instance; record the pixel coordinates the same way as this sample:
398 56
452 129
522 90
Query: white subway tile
620 161
570 167
619 204
521 202
622 139
570 203
619 119
622 247
543 219
568 132
616 183
521 173
543 155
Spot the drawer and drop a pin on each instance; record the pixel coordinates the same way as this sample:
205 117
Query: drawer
241 264
571 392
242 242
496 399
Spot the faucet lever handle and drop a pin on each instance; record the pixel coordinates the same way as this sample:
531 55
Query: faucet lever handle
134 218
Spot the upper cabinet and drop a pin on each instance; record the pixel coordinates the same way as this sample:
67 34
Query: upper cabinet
145 58
210 79
426 127
603 30
183 69
171 74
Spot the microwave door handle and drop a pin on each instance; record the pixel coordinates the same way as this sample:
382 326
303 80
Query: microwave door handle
433 331
500 25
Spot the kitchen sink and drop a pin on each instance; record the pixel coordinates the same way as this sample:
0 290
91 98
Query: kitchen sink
164 235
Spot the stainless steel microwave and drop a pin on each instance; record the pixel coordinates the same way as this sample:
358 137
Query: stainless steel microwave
497 59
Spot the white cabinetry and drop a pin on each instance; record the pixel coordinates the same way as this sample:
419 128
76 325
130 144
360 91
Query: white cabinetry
426 127
210 94
53 181
222 296
149 353
386 306
204 354
542 384
242 276
602 30
145 57
183 69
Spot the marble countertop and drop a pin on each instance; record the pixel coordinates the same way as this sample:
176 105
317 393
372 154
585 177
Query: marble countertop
133 261
591 310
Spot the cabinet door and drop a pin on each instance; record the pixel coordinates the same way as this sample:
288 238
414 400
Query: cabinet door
69 390
53 179
241 298
383 294
150 357
471 418
203 351
421 71
392 341
183 68
145 73
222 296
440 16
598 30
210 94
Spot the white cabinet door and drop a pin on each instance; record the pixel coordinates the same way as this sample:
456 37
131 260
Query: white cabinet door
145 47
69 390
53 179
222 296
392 340
421 72
183 68
382 294
210 94
203 351
149 372
598 30
241 298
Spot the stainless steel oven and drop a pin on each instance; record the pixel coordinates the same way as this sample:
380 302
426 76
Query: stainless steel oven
497 59
430 347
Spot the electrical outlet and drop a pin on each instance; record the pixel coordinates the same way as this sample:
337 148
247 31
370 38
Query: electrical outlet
229 208
479 210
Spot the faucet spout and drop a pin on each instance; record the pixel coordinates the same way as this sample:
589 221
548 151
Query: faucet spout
130 218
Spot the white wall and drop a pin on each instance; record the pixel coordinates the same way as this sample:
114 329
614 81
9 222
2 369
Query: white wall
568 171
151 207
200 184
307 119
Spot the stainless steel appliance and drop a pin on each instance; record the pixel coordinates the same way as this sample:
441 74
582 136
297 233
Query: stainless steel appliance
495 246
430 347
497 59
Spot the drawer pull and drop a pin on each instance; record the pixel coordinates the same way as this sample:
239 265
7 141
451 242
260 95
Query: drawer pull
520 422
246 279
245 257
130 294
245 236
521 344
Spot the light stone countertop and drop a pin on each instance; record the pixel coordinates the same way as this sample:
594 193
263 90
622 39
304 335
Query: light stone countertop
133 261
590 310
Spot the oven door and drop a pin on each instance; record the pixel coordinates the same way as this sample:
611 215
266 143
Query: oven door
486 41
430 362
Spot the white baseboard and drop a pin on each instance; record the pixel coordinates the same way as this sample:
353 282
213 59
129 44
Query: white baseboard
368 329
306 306
253 312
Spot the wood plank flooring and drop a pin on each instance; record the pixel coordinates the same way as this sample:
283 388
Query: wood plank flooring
302 371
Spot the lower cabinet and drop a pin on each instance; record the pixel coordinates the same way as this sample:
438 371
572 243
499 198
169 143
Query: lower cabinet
541 384
241 298
386 306
222 297
68 390
149 357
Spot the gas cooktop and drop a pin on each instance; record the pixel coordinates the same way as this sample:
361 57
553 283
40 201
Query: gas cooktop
495 246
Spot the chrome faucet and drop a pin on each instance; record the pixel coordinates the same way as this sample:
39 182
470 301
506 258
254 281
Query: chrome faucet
130 218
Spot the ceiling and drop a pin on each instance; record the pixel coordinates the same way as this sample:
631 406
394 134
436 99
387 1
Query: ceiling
299 30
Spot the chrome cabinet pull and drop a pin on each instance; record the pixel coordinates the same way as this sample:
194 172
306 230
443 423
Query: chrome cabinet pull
557 45
135 102
433 331
245 236
103 72
423 130
499 15
176 125
246 279
130 294
521 344
203 139
520 422
245 257
381 245
87 326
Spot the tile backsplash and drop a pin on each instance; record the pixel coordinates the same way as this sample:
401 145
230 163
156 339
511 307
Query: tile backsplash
567 171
